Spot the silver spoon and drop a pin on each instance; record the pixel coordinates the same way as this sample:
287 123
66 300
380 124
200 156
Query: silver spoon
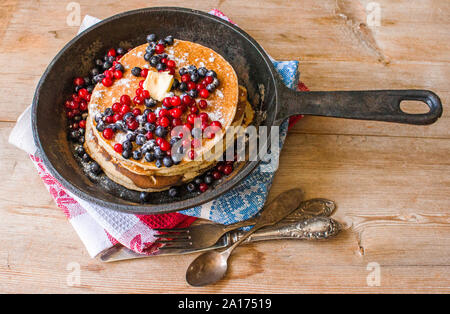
211 266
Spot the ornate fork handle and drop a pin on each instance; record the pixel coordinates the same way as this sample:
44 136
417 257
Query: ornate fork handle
315 228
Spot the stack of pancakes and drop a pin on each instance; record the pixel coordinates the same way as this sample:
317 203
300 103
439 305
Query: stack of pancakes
228 104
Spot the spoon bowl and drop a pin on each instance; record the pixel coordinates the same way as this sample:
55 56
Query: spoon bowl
207 268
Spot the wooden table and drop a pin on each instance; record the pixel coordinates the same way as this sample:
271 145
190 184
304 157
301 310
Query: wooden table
391 182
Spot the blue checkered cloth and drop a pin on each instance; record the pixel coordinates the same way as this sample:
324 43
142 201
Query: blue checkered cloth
247 198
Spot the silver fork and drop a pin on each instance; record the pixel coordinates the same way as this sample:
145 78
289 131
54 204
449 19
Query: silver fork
206 235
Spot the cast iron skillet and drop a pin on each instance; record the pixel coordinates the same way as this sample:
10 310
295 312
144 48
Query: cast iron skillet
273 101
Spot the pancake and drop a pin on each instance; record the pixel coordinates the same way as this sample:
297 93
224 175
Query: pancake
227 104
153 183
222 103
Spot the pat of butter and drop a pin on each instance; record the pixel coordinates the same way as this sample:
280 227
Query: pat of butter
158 84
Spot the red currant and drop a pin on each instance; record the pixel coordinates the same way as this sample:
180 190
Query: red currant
175 101
82 124
163 112
204 93
202 104
191 85
228 169
116 107
107 82
175 112
187 100
118 148
109 119
138 100
125 100
117 117
125 109
203 187
133 125
209 79
144 72
185 78
159 48
78 81
136 112
118 74
216 124
164 122
111 52
216 175
108 133
151 117
149 135
171 64
164 145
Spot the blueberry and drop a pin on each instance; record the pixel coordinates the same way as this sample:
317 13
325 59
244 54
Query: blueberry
86 157
162 42
150 102
147 56
98 117
161 131
77 88
111 59
87 80
107 65
95 72
141 130
191 187
126 154
211 73
127 145
173 192
136 71
120 51
150 38
169 40
141 119
90 88
128 116
98 78
131 137
79 150
150 127
99 63
182 71
81 140
158 163
167 161
209 179
154 61
137 155
198 181
120 125
140 139
149 156
164 55
194 77
108 112
210 87
182 87
144 197
150 49
100 126
216 82
175 84
191 68
148 146
95 168
193 93
202 71
160 67
159 154
119 67
146 112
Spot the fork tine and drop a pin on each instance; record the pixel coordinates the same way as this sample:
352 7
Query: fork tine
172 230
174 241
174 247
173 236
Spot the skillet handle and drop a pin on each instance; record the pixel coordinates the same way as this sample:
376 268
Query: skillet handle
379 105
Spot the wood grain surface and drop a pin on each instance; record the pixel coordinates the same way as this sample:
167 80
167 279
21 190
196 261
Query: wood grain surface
391 182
